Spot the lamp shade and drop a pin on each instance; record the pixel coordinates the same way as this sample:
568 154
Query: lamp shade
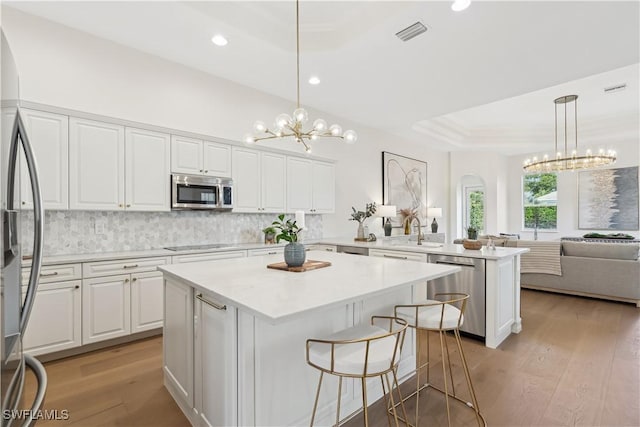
434 212
388 211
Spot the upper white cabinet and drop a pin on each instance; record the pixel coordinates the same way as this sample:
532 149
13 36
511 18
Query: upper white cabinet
197 157
96 165
259 180
114 169
147 183
310 186
49 137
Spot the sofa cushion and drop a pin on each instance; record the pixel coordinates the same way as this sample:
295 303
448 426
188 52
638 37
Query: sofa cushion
623 251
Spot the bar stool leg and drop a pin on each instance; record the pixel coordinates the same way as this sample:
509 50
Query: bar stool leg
468 377
418 383
363 380
339 395
444 376
453 384
404 411
386 400
315 404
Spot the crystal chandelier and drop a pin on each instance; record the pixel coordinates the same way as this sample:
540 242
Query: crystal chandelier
569 161
286 125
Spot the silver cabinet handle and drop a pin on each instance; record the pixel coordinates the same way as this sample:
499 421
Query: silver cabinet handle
394 256
130 266
272 253
134 279
328 249
55 273
211 303
77 287
126 280
128 205
206 171
201 170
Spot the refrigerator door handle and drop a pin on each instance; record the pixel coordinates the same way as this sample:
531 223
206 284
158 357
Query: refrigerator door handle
41 376
18 135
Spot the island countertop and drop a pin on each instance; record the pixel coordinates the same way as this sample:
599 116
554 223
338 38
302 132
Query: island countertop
278 296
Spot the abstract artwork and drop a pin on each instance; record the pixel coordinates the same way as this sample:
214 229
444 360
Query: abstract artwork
608 199
404 185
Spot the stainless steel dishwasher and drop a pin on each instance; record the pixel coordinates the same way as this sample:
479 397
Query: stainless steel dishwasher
471 280
353 250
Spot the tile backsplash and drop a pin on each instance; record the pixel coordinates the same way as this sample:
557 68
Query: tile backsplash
74 232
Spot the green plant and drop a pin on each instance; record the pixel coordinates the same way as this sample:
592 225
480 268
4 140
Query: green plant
472 229
362 215
269 230
288 230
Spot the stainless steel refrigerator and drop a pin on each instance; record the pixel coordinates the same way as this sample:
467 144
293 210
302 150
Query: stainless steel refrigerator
16 303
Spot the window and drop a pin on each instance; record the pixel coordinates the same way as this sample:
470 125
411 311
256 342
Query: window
540 194
474 208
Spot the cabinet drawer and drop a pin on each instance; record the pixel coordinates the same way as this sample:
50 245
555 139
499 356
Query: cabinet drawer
320 247
409 256
266 251
208 256
55 273
123 266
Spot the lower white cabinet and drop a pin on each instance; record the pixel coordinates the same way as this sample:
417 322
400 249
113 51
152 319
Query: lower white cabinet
178 259
321 247
106 308
147 297
266 251
408 256
55 322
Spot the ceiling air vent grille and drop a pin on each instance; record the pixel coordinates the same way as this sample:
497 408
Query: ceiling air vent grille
616 88
411 31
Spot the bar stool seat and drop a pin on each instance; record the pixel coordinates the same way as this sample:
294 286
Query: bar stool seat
431 314
361 351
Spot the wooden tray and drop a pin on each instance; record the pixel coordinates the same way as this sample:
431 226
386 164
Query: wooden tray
308 265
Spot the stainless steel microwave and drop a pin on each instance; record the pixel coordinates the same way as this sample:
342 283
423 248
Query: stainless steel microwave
201 192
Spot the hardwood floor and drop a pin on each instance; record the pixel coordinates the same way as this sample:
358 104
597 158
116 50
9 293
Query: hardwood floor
576 362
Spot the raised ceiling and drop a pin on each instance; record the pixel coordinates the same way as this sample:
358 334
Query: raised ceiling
483 79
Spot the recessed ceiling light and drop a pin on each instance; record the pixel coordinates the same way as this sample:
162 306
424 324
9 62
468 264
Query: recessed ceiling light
219 40
314 80
459 5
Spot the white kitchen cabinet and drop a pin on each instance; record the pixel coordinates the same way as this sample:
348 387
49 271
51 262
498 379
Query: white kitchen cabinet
96 165
259 181
409 256
266 251
215 362
49 137
321 247
177 343
147 157
56 320
121 297
198 157
310 186
178 259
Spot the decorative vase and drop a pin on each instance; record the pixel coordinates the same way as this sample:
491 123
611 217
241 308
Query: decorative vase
294 254
387 228
434 226
269 238
407 226
360 231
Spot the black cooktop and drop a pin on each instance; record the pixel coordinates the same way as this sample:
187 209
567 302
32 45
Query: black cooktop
195 247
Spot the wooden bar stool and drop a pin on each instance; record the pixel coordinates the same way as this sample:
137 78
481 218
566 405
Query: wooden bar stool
361 351
445 313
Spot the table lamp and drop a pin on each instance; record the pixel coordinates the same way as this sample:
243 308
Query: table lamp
388 211
435 213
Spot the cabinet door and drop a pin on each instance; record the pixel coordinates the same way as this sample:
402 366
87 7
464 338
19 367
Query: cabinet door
186 155
55 322
324 188
215 364
49 137
147 296
96 165
407 256
177 342
106 308
216 159
299 184
273 183
179 259
246 180
147 170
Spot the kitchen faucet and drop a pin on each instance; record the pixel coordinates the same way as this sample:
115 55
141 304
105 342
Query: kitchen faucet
420 235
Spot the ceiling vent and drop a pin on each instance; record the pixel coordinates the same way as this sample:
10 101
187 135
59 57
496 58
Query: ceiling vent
616 88
411 31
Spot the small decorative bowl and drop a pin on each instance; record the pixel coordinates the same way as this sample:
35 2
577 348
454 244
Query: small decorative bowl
472 244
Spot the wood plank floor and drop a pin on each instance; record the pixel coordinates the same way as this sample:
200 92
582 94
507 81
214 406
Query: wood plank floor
576 362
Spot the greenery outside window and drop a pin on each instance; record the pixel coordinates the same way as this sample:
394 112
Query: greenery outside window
474 208
540 194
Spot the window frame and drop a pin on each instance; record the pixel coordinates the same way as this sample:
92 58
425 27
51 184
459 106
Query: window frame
523 205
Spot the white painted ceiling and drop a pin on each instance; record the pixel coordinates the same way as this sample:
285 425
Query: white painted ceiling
481 79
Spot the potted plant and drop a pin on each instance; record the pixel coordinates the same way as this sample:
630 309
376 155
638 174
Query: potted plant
360 216
269 234
472 232
294 253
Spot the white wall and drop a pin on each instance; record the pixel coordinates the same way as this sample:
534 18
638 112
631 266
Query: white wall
66 68
491 168
628 154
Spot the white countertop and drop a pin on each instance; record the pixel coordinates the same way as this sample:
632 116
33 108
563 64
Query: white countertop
278 296
400 244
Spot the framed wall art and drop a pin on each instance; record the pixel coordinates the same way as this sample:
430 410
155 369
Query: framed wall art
404 185
608 199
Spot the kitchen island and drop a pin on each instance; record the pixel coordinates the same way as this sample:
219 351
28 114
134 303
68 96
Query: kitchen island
235 333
